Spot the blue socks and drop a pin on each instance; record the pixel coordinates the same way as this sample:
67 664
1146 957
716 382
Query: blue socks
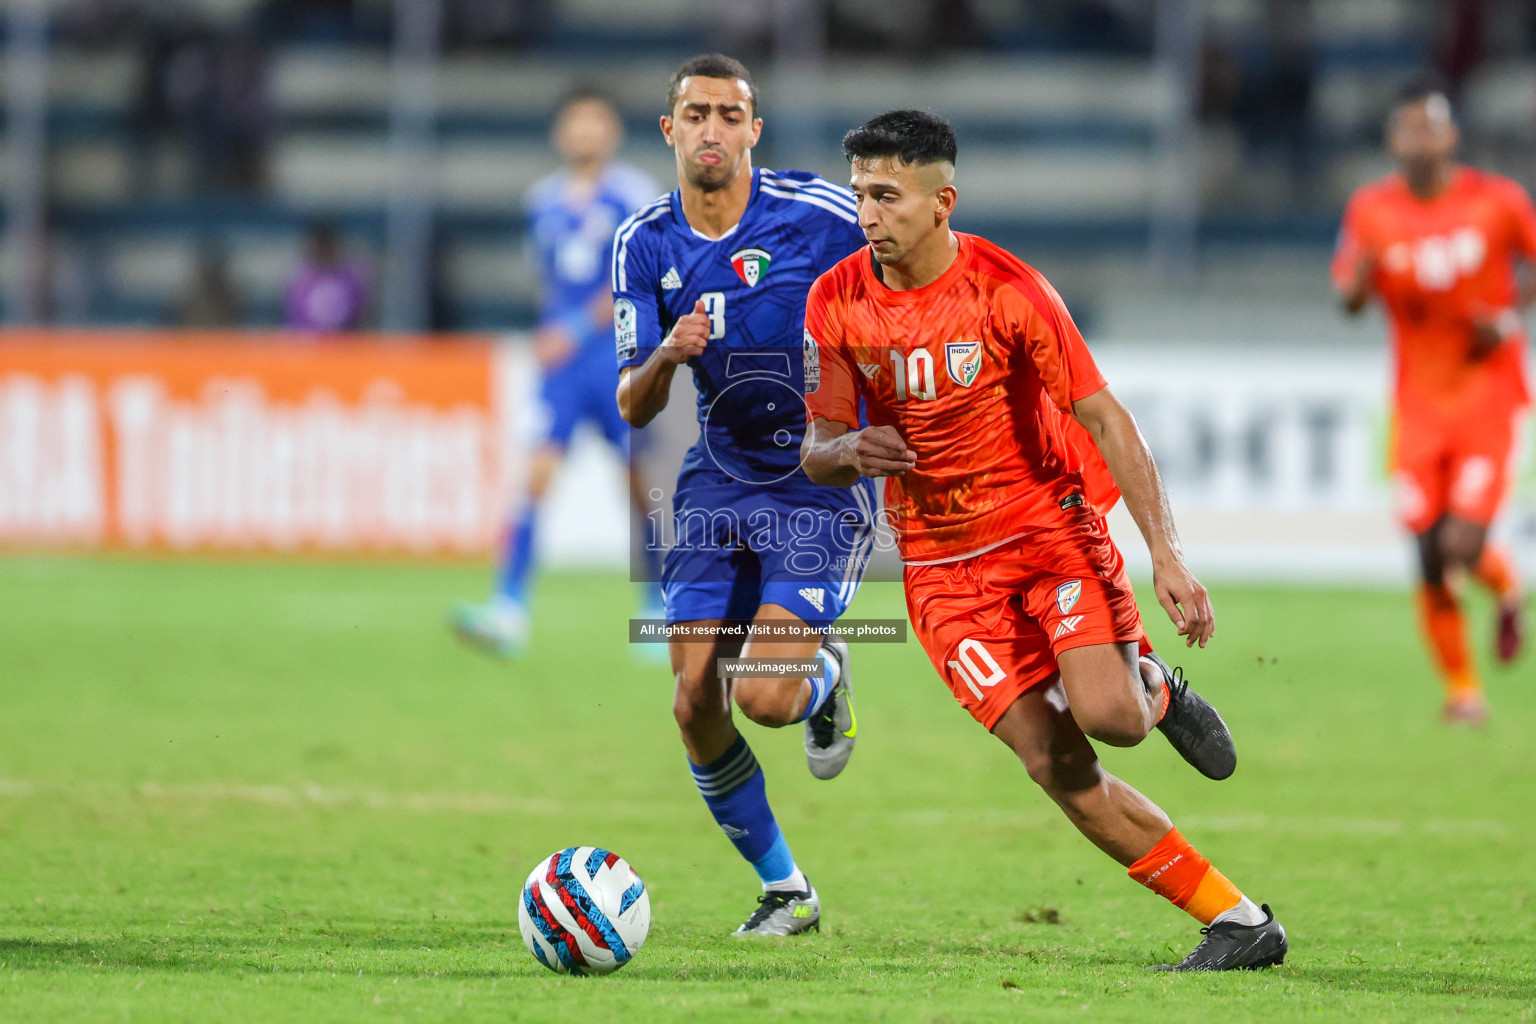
517 558
820 686
734 789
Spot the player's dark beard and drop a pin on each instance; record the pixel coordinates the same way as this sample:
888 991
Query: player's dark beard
709 179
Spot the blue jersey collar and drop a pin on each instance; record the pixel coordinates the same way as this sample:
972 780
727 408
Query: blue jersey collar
680 220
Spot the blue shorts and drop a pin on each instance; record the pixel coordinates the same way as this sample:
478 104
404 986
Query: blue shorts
739 547
583 389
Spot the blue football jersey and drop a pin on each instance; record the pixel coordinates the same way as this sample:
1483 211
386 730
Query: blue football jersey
572 233
753 283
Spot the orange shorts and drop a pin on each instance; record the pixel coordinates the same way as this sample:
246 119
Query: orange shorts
993 624
1462 467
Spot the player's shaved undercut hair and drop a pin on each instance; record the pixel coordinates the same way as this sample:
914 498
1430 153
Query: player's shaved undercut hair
711 65
911 136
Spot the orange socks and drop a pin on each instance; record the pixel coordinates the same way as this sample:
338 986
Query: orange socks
1440 618
1496 571
1175 871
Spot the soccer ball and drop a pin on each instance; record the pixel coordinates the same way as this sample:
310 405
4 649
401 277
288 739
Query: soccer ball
584 911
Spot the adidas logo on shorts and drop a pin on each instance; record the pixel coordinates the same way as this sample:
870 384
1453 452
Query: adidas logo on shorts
815 596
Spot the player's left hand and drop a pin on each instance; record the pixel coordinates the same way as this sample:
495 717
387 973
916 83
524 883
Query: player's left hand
1185 600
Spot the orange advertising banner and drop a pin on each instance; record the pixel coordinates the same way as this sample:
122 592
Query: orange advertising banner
239 441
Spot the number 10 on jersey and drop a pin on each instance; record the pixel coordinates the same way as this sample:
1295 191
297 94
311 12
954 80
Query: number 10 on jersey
914 374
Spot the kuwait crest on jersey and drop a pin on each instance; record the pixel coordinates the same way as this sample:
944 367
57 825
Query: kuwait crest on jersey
750 265
963 361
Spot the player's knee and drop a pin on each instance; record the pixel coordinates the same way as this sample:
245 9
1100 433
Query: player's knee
1119 724
1061 773
684 707
690 703
1460 548
768 702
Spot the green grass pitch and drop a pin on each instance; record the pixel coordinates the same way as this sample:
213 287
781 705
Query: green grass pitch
263 792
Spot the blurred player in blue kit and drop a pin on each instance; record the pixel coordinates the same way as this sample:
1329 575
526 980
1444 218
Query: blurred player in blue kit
715 275
572 215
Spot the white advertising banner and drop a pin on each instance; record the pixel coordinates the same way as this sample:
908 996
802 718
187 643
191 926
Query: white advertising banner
1276 461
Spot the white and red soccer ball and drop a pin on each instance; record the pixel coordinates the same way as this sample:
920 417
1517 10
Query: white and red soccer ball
584 911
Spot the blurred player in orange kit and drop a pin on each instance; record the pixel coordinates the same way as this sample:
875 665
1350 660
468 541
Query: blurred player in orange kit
1445 248
1002 449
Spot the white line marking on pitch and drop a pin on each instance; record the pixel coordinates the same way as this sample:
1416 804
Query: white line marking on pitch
315 795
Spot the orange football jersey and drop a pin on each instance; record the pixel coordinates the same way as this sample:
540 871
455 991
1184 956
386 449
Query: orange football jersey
977 371
1440 265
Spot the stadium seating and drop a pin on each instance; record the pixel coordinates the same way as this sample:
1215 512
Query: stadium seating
1058 146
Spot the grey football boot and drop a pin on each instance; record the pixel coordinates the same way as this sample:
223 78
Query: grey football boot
830 729
1236 947
783 913
1193 726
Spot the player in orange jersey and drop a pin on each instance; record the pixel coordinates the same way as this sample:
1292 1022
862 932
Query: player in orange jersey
1441 245
1002 448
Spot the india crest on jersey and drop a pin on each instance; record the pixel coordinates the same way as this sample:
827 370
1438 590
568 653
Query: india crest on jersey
963 361
1067 595
750 265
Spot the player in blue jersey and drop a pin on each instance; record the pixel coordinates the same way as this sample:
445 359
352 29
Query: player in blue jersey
572 215
715 275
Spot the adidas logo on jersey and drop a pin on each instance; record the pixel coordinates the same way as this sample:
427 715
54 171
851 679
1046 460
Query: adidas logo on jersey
1067 625
671 280
815 596
869 370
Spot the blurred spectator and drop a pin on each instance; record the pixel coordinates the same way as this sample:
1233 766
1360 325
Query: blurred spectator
211 299
235 118
327 293
209 94
1221 82
162 54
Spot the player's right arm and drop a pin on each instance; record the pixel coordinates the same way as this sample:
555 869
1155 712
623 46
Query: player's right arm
643 389
647 361
1354 262
1130 462
836 456
835 452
